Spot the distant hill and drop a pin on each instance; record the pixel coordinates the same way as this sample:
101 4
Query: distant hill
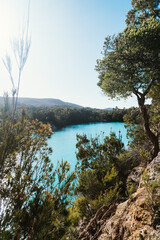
48 102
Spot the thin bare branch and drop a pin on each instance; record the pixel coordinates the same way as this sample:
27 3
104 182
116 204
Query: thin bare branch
20 48
8 65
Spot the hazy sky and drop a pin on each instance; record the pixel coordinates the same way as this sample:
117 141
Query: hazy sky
67 37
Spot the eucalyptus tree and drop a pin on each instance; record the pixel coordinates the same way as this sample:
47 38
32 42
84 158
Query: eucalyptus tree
131 61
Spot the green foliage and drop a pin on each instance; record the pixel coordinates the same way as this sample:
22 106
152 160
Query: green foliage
131 187
152 197
140 145
95 153
74 215
110 195
99 174
152 187
33 193
82 207
130 63
143 9
89 184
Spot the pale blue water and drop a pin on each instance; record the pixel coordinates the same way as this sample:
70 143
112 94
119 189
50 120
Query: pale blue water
64 141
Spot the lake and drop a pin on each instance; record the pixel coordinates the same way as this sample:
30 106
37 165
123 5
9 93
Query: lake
64 141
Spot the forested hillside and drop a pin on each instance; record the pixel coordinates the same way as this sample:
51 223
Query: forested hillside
42 102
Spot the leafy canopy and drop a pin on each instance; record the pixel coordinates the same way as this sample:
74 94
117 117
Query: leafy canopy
131 62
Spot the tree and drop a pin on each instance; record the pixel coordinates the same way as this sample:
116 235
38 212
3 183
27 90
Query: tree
34 195
143 9
131 65
100 177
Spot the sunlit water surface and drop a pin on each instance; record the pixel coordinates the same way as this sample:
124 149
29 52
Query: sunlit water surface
63 142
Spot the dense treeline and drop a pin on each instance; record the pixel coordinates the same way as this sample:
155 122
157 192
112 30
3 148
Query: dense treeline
63 116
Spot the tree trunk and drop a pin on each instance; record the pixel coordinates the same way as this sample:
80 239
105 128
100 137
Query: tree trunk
153 138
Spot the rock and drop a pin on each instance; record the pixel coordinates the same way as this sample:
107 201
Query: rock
133 219
135 174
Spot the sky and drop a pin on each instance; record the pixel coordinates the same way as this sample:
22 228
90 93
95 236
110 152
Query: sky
66 40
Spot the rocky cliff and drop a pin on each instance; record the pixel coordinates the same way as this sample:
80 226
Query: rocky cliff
138 218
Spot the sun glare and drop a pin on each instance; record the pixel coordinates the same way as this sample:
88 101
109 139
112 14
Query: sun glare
9 24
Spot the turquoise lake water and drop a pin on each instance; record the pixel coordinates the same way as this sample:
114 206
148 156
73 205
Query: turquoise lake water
63 142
